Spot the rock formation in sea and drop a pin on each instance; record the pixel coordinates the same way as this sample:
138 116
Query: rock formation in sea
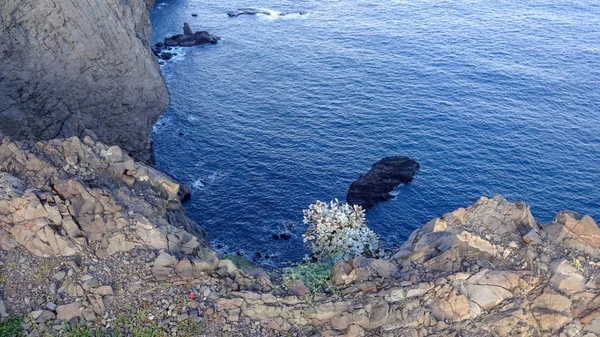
70 66
187 39
383 177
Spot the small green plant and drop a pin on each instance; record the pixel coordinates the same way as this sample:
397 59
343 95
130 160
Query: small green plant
79 330
189 328
3 278
13 264
153 330
11 326
239 261
577 264
316 276
44 268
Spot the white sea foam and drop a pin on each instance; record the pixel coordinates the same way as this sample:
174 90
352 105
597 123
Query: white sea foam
199 183
161 123
275 15
180 51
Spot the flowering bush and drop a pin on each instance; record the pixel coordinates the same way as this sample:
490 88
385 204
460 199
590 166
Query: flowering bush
336 230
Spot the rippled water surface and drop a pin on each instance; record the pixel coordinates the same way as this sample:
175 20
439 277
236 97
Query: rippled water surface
490 97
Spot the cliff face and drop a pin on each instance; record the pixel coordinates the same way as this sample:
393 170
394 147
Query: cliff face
74 65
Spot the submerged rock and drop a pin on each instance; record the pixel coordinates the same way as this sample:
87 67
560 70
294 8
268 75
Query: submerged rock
384 176
254 11
247 11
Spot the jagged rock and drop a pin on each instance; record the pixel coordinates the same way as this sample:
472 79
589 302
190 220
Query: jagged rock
551 311
103 290
190 39
532 238
186 29
566 278
384 176
71 214
50 91
572 231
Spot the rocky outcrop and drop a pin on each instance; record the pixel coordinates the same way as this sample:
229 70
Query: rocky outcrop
73 66
103 233
384 176
187 39
72 198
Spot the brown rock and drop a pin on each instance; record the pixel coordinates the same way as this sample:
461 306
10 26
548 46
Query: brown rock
68 311
573 232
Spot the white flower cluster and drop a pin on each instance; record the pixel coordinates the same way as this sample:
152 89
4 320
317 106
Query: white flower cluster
338 230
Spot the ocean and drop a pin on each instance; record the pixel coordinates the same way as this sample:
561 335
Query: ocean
490 97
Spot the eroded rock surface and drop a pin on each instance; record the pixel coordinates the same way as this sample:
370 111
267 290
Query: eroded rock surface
383 177
86 230
71 198
74 65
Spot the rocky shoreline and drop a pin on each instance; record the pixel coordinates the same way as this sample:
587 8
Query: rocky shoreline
95 242
90 238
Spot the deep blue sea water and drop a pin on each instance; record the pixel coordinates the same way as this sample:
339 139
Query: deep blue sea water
490 97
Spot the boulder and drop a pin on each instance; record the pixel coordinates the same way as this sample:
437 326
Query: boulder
572 231
384 176
67 312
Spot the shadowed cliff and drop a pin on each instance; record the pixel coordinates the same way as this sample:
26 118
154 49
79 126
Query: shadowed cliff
71 66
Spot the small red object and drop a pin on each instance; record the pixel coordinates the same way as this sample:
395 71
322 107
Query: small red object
192 296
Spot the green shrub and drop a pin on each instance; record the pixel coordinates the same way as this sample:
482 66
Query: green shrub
239 261
11 326
316 276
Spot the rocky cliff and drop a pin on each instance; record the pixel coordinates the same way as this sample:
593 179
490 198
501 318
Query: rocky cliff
89 237
74 65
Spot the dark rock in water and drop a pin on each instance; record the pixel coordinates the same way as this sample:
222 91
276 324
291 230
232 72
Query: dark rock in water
187 39
186 29
258 254
190 40
194 15
288 13
276 236
184 193
285 236
247 11
384 176
166 56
